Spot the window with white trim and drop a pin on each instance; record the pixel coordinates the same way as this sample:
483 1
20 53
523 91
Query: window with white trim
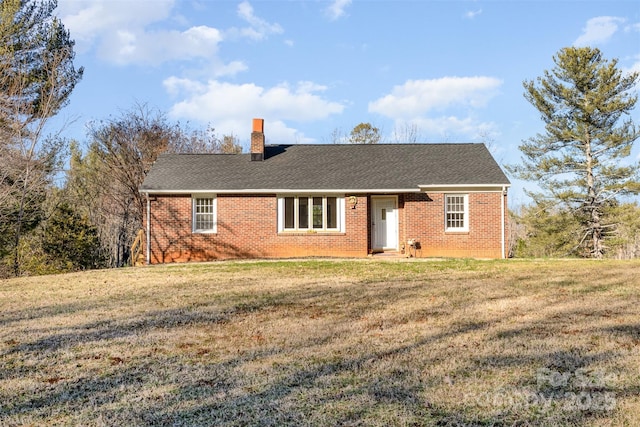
204 214
310 213
456 212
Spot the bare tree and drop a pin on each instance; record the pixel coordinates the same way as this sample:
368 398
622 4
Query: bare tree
230 145
406 133
123 151
106 181
202 141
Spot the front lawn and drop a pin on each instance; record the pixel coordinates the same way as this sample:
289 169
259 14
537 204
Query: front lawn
325 342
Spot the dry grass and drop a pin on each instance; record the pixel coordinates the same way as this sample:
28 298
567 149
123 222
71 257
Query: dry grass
325 343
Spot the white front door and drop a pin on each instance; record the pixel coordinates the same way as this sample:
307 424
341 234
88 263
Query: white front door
384 228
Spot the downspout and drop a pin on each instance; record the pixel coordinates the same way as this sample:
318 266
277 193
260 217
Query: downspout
502 218
148 239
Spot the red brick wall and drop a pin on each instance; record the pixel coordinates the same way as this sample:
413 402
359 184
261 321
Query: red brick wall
424 219
247 228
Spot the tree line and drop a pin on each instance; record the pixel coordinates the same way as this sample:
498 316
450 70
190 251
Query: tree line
90 219
70 205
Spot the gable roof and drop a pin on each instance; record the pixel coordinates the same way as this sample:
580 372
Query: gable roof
328 167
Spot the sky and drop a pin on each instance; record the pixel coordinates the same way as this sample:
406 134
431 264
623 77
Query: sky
448 71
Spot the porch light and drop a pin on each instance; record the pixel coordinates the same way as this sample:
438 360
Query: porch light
353 201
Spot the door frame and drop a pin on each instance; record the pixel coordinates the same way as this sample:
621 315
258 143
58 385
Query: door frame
395 244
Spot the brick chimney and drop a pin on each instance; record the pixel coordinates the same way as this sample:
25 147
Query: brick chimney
257 140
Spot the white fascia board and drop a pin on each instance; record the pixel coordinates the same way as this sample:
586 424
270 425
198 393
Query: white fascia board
465 187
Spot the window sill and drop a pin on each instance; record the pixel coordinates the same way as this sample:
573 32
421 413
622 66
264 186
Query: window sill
204 232
456 231
311 233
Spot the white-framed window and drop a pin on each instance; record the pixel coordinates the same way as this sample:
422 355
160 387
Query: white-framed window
311 213
204 213
456 212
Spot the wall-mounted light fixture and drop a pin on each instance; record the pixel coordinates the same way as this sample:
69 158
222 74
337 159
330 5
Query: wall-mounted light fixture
353 201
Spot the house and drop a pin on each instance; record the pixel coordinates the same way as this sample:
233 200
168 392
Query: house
326 200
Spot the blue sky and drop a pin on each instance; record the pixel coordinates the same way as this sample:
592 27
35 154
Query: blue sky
450 70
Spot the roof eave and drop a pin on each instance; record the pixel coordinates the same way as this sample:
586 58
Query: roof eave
464 187
284 191
420 188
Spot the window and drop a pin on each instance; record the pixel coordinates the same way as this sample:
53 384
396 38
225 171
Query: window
303 213
204 214
289 212
308 213
456 212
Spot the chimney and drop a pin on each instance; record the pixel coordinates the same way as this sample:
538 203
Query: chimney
257 140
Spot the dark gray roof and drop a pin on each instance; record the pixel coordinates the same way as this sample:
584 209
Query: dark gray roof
328 167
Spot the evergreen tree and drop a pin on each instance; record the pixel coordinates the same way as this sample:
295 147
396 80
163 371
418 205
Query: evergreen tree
37 77
70 241
545 231
585 102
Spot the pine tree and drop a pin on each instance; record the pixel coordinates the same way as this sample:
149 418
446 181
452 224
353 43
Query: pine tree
585 102
37 76
70 241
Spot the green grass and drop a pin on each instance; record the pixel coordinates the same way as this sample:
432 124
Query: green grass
325 342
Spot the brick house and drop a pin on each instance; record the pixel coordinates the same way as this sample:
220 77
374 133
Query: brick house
429 200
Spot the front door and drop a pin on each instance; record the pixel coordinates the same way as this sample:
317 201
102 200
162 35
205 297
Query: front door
384 227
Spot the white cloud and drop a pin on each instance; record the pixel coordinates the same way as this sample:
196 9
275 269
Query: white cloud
153 48
209 103
454 129
417 97
599 30
472 13
309 87
175 86
220 69
277 132
259 29
120 32
91 20
336 10
635 67
443 107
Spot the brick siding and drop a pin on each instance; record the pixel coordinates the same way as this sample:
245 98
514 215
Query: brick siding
424 220
247 228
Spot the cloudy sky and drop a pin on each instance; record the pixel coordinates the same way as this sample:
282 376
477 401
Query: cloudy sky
450 70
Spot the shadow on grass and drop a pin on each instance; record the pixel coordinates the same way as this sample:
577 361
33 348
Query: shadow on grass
356 387
337 393
114 329
13 316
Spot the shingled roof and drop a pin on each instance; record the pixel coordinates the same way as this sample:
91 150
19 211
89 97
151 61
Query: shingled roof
328 167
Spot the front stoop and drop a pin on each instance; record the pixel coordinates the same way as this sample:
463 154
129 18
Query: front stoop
388 254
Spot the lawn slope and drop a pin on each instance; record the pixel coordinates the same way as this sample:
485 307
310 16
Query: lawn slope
323 342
